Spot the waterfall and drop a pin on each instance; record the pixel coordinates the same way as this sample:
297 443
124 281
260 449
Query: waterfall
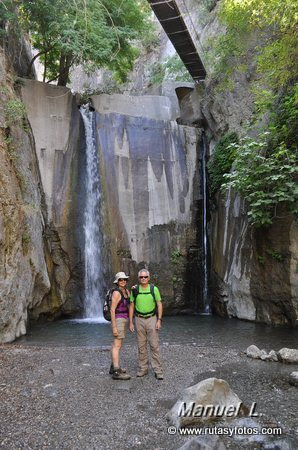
93 282
205 289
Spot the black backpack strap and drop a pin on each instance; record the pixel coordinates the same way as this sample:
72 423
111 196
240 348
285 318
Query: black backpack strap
135 292
112 290
152 292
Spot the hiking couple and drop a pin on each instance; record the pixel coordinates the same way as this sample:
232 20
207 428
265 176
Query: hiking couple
144 302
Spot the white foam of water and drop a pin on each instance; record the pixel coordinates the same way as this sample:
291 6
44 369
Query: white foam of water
89 320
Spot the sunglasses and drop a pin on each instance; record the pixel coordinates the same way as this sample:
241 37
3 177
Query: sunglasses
144 276
122 279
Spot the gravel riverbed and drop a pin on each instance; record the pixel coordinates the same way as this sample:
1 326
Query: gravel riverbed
63 397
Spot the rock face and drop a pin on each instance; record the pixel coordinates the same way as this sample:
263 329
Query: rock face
196 402
57 128
253 272
150 189
23 270
249 282
150 192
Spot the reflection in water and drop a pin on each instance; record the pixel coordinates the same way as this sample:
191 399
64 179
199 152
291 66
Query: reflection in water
203 331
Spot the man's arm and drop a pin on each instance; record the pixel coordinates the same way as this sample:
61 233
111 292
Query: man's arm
159 315
116 297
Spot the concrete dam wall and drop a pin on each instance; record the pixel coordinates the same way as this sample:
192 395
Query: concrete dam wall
150 190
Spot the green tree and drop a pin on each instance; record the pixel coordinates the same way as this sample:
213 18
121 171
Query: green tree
96 33
272 25
7 15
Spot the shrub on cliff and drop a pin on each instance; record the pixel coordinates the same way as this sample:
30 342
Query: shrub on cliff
221 160
265 169
262 35
172 69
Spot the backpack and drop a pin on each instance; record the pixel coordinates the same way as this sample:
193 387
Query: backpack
135 292
106 309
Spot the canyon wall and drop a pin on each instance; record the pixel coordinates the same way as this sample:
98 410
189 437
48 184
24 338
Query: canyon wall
58 134
24 279
150 191
151 186
254 273
152 204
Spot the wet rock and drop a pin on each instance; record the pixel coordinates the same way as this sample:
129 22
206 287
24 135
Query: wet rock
263 355
205 401
272 356
294 378
204 443
288 355
253 352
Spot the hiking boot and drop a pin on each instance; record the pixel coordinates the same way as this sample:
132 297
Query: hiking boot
112 370
118 375
159 376
142 373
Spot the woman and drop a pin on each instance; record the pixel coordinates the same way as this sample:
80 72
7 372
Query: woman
119 319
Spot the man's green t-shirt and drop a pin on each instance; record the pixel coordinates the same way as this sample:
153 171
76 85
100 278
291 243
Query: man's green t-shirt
145 302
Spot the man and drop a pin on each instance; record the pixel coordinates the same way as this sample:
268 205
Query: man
148 324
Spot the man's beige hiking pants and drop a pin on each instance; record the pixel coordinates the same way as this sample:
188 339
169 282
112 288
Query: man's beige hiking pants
146 332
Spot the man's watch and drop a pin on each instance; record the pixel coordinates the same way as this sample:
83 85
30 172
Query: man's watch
159 319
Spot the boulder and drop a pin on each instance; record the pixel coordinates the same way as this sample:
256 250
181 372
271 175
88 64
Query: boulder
253 352
263 355
208 400
294 378
272 356
288 355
